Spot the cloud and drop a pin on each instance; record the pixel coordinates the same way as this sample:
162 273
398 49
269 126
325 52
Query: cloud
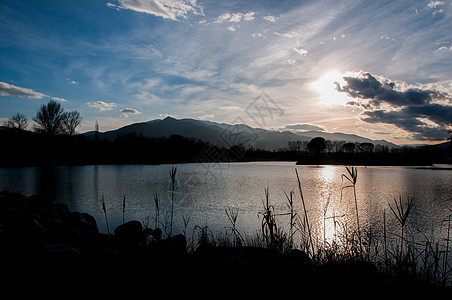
434 4
71 81
304 127
58 99
129 111
167 9
270 18
12 90
301 51
235 17
382 90
101 105
424 112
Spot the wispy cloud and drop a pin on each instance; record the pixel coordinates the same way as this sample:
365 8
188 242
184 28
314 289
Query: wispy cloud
58 99
301 51
101 105
167 9
12 90
235 17
72 81
304 127
270 18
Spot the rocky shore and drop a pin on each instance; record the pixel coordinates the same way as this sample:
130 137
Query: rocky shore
42 242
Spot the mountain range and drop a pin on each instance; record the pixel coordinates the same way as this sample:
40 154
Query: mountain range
227 135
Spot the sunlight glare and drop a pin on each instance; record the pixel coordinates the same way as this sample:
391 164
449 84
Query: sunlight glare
326 88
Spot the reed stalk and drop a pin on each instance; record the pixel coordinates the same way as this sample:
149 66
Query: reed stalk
401 213
293 216
104 208
173 187
352 177
123 208
305 215
157 211
232 214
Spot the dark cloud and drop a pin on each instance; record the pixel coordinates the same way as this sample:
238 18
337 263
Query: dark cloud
377 91
304 127
414 110
129 111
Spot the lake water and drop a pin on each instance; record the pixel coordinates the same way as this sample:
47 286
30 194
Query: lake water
204 191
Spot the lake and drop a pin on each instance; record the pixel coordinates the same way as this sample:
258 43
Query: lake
204 190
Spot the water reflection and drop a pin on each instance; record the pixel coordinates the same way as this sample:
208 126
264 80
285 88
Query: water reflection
203 196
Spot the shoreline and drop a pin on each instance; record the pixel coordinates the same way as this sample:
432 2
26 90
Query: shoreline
448 166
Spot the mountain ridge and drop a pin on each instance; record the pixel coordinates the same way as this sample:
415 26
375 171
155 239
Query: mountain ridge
227 135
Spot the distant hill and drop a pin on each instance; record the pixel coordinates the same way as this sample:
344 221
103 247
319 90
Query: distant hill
227 135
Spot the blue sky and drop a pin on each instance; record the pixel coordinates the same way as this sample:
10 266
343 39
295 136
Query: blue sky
380 69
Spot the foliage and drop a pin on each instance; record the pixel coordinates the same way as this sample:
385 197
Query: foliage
18 121
51 119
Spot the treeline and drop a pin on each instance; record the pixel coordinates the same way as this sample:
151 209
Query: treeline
321 151
26 148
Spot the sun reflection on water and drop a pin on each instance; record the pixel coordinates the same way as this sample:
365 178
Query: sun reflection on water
329 204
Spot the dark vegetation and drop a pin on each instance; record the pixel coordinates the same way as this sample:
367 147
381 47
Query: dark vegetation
54 141
26 148
321 151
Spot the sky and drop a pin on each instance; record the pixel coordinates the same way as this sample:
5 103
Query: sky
378 69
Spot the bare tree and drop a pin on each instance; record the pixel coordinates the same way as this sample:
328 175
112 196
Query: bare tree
71 120
49 118
18 121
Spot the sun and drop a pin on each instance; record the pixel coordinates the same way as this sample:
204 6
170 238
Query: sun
325 86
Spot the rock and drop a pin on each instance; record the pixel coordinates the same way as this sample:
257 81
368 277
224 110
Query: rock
82 222
130 234
39 202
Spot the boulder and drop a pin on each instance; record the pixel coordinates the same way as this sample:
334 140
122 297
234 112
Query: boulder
82 222
130 234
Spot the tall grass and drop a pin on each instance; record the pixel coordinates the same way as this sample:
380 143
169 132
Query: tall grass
268 224
305 223
395 251
232 214
352 178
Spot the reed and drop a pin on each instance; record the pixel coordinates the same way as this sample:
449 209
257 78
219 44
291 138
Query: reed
104 208
123 208
173 187
157 211
352 178
232 214
306 220
293 217
401 212
268 224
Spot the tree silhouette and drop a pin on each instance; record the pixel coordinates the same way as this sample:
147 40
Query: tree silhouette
18 121
317 145
49 119
71 120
